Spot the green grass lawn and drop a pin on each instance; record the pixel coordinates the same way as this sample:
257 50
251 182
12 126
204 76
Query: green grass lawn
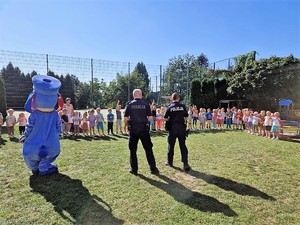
236 178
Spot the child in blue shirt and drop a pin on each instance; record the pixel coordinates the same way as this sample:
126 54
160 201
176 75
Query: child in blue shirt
110 121
208 116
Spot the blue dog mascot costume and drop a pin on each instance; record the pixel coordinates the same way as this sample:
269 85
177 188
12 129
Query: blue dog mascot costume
41 146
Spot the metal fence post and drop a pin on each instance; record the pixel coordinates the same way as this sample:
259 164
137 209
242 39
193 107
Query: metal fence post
47 64
128 81
92 82
187 84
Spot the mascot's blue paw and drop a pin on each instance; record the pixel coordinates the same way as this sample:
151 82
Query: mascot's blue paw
52 169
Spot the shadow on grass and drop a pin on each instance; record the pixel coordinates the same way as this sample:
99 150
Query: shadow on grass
214 131
193 199
72 201
229 185
2 141
91 138
160 133
295 140
14 139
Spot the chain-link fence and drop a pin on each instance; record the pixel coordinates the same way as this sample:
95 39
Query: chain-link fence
224 64
85 69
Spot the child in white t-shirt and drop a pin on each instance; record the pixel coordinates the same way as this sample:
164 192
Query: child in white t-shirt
256 122
10 123
76 123
275 126
268 124
1 123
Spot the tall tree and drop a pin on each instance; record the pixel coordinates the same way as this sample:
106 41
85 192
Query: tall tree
202 61
208 93
196 92
3 106
179 73
14 81
118 88
221 90
141 70
82 96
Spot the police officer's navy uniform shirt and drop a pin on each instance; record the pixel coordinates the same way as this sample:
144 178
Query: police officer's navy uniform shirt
138 111
176 113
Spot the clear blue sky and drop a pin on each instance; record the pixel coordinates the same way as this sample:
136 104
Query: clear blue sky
152 31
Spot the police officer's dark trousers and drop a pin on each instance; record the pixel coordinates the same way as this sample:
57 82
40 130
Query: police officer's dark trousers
178 130
144 136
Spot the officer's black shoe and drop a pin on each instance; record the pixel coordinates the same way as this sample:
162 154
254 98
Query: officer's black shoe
155 171
134 172
169 164
186 168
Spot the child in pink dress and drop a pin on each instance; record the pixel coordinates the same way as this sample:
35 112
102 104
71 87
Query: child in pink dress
159 118
22 120
84 124
92 122
219 119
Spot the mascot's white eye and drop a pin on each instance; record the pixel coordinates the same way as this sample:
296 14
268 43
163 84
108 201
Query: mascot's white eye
47 80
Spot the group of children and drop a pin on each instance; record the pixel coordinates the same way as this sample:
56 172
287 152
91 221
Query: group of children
11 121
157 122
90 122
263 123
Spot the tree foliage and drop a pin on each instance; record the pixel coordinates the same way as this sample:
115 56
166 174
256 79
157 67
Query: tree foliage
2 98
90 94
179 73
261 83
16 84
141 70
202 61
266 81
243 62
208 98
196 92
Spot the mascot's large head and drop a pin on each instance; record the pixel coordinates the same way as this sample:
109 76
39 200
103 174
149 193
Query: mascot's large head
45 94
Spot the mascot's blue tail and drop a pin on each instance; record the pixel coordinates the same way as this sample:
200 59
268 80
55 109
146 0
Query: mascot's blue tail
43 152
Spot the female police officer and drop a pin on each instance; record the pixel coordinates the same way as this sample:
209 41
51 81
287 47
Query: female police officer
138 114
175 116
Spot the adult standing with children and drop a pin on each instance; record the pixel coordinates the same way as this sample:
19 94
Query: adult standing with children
138 114
70 112
119 118
176 116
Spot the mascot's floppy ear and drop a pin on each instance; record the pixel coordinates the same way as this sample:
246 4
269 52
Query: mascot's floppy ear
30 105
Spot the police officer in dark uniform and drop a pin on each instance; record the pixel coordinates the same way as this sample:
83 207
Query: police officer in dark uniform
175 116
138 114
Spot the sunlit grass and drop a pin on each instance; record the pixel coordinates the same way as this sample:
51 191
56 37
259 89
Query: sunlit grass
236 178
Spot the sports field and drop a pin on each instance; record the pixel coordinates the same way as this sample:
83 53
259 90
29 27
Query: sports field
236 178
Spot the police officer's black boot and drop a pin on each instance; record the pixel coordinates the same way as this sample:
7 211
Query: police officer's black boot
186 167
154 170
134 172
